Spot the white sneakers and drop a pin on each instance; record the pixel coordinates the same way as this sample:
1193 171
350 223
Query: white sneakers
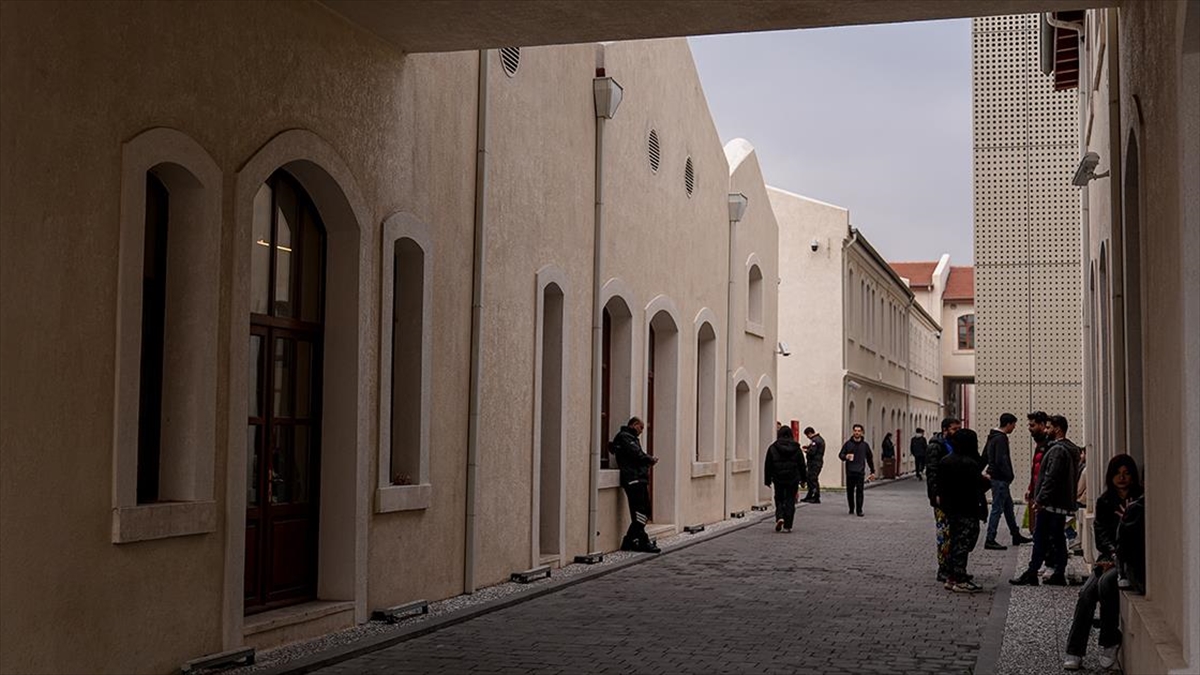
1108 656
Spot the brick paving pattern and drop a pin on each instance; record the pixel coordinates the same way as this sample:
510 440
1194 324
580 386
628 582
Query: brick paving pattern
841 594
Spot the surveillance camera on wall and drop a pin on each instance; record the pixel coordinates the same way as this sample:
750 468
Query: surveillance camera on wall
783 350
1086 171
814 244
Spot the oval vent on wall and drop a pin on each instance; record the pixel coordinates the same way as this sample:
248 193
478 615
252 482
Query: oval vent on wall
689 177
510 58
654 151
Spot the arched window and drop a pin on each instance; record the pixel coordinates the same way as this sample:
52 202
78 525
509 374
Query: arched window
754 306
706 393
741 436
966 331
167 334
406 315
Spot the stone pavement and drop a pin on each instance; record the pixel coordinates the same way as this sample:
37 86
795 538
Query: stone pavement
841 594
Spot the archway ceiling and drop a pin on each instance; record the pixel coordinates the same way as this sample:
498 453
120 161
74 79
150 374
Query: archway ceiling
454 25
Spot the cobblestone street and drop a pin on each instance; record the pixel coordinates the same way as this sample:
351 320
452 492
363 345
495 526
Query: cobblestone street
839 595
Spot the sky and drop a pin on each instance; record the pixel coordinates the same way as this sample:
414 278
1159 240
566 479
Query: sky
876 119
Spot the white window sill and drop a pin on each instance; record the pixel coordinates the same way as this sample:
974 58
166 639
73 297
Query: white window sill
756 329
403 498
740 465
145 522
702 469
610 478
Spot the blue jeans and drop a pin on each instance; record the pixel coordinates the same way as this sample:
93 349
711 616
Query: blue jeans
1002 502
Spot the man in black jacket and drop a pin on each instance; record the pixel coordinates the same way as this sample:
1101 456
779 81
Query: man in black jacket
635 479
1054 500
939 447
917 447
999 467
784 468
814 453
856 453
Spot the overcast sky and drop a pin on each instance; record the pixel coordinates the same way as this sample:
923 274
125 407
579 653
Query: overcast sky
876 119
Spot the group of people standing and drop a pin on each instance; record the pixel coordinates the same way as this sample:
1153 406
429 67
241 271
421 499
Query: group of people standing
958 477
790 466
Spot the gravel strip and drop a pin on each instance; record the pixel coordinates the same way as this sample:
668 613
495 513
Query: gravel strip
1039 619
280 656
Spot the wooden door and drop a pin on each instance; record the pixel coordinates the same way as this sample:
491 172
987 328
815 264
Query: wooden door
284 375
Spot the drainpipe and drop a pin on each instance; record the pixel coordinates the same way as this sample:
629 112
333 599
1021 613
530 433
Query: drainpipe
474 423
606 95
908 376
737 209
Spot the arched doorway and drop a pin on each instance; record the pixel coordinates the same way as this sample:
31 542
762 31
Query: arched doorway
287 290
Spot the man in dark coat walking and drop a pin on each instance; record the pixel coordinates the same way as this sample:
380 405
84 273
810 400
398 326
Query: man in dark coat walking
635 479
856 453
814 452
917 447
785 469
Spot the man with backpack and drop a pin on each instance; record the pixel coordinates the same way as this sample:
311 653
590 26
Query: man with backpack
939 447
785 470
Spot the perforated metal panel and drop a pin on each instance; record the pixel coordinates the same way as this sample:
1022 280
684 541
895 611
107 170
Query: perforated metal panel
1027 232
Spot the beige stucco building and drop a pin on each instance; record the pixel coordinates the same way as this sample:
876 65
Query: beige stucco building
948 292
348 328
383 137
863 350
1137 85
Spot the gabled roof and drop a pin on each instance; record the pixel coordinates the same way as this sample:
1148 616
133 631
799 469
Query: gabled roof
919 274
961 284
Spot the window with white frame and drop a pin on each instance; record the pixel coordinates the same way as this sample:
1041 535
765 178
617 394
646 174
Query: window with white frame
966 332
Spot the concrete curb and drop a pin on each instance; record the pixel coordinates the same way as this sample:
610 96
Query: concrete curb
367 645
987 662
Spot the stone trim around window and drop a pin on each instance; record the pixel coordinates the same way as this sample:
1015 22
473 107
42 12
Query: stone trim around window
189 443
389 497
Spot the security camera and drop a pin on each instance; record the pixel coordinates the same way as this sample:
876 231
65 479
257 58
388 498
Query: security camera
814 244
783 350
1086 171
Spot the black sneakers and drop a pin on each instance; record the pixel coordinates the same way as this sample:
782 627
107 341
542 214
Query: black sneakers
993 545
1027 578
1019 539
1056 580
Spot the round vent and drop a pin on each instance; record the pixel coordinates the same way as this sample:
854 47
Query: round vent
689 177
510 58
654 151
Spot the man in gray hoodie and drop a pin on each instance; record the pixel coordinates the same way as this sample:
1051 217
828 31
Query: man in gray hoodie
1000 470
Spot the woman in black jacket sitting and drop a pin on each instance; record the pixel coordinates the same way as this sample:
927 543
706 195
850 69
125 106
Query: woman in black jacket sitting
1123 491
